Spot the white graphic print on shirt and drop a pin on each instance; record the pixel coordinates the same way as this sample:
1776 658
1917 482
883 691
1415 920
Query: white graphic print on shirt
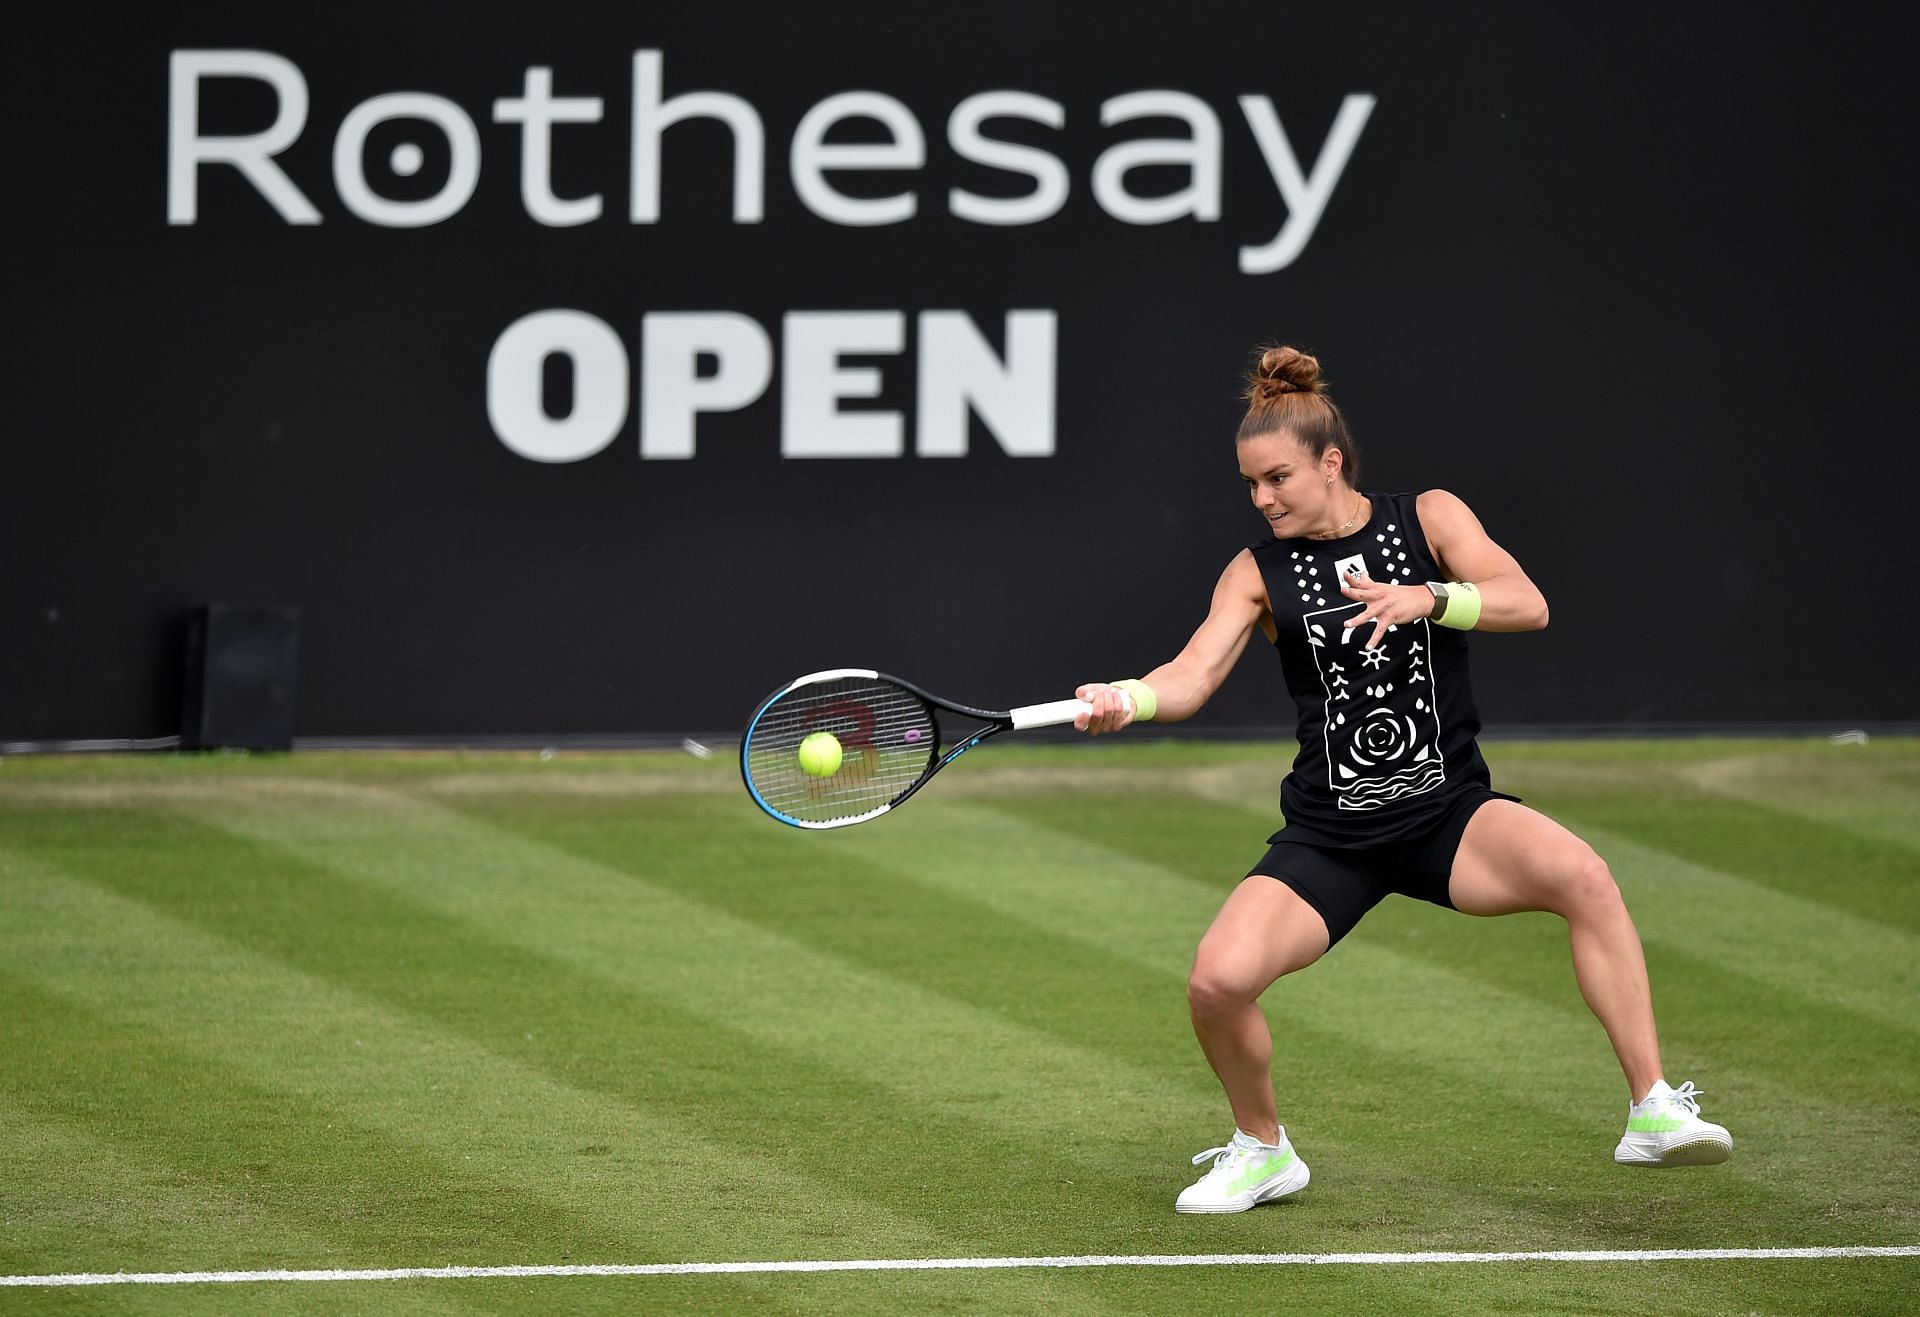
1382 730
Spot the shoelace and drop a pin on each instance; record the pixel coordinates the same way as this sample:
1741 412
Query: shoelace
1687 1096
1212 1152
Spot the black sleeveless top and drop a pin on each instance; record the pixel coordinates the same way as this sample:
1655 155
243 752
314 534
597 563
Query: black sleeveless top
1386 735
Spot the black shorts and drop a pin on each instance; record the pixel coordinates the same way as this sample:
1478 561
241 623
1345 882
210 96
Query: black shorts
1342 883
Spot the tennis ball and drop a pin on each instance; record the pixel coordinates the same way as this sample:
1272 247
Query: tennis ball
820 754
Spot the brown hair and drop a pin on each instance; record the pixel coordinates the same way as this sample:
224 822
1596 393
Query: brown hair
1284 395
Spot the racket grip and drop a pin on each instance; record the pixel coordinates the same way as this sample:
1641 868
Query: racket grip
1053 713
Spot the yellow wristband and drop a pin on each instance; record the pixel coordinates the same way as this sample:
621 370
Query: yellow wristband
1459 606
1145 702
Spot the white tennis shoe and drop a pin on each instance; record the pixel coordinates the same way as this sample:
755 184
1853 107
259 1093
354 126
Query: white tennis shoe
1665 1129
1244 1172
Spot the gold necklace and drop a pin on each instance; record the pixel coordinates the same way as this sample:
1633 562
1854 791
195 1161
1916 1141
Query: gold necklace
1350 520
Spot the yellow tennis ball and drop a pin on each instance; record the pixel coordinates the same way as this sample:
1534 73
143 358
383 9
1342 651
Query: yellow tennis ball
820 754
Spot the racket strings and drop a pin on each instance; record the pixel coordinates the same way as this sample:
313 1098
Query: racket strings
887 741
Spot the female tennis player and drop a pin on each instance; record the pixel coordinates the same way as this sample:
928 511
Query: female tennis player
1368 598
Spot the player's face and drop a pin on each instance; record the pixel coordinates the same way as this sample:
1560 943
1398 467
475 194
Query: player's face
1289 488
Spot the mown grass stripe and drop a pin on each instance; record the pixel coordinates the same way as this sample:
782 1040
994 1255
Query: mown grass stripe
1104 1133
1490 1015
637 932
193 1160
1824 954
833 1125
884 920
62 1177
1867 791
1432 1258
327 918
1796 856
975 1156
1704 1003
710 1192
253 1045
855 908
1383 1128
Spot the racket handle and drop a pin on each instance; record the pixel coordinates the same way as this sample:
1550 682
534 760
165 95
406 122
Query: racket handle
1053 713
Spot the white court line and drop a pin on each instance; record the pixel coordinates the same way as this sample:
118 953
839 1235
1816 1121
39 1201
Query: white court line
964 1264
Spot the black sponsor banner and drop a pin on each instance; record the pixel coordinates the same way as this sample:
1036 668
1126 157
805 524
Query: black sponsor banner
596 368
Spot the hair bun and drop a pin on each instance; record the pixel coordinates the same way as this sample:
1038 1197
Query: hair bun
1282 370
1288 370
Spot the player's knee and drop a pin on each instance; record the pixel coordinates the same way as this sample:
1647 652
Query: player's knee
1210 991
1590 886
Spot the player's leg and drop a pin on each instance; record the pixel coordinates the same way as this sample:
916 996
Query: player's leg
1264 930
1511 859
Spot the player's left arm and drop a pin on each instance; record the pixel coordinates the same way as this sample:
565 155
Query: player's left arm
1509 600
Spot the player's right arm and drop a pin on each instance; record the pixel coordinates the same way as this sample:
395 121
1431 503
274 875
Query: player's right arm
1189 680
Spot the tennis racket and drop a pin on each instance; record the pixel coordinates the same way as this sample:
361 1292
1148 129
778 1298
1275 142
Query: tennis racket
889 735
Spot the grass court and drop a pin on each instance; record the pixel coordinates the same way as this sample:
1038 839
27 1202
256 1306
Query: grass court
335 1011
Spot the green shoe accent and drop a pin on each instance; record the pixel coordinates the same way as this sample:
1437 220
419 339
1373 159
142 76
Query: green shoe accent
1654 1124
1260 1170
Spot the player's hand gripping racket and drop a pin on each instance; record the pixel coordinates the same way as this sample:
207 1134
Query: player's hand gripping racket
881 744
